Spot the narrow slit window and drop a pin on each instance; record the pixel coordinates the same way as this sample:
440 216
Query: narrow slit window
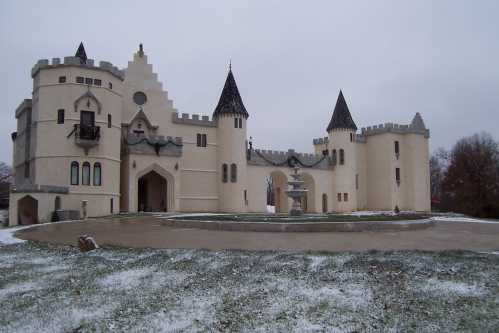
397 175
233 173
339 197
198 140
240 122
203 140
60 116
235 122
225 172
397 148
109 121
342 156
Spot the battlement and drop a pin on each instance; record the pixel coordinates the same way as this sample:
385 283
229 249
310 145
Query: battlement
321 141
193 119
393 128
281 158
75 61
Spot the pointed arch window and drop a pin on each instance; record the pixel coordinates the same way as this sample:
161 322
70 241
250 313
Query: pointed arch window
97 174
342 156
85 173
75 170
225 172
233 173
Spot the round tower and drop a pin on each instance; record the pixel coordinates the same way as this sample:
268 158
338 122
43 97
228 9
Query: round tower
342 149
231 115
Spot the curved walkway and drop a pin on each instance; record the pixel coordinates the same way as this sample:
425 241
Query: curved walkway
153 232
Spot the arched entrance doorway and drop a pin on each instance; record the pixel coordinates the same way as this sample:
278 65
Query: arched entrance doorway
27 208
152 193
308 201
278 185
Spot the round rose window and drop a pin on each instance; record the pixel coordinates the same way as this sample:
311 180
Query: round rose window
139 98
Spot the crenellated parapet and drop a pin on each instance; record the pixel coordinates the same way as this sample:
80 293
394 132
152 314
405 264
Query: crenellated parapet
153 145
288 158
76 61
321 141
194 119
393 128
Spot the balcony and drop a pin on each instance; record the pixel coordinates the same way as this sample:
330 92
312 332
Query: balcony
86 136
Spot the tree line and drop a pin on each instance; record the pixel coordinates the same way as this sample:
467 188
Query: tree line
465 179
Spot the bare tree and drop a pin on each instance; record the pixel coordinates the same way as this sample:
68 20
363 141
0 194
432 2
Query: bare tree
439 162
471 182
5 173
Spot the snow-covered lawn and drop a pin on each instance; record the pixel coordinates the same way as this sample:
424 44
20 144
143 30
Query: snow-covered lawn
45 288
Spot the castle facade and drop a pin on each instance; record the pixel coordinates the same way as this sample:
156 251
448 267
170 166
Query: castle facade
96 140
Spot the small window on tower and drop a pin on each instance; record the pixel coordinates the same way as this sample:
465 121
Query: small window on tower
397 176
109 121
203 140
198 140
342 156
240 122
97 82
351 137
89 80
60 116
80 79
235 123
225 173
62 79
339 197
345 196
397 149
110 85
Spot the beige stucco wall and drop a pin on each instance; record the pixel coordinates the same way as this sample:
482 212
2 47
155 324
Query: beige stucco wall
194 178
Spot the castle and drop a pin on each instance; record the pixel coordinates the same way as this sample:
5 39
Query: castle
96 140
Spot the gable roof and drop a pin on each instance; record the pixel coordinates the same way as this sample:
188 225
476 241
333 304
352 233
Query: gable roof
230 101
341 119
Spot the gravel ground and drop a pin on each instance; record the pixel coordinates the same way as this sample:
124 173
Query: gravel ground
47 288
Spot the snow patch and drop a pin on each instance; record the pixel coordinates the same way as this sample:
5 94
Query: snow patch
7 235
271 209
316 262
19 288
126 279
451 287
461 219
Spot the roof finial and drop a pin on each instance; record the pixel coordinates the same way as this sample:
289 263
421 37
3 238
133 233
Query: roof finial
230 64
141 50
80 53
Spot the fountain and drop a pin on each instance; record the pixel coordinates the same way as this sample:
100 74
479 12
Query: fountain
296 192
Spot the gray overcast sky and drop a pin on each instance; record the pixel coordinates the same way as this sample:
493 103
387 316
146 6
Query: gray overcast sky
290 58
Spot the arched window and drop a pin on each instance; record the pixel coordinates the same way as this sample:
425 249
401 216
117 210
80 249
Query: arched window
97 174
224 173
75 171
233 173
85 174
342 156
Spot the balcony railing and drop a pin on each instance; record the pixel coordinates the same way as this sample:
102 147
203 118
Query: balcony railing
86 136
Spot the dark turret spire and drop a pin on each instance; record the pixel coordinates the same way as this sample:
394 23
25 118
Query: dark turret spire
230 101
342 119
80 53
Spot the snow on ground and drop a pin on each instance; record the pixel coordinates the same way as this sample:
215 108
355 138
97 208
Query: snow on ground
460 219
46 288
270 209
7 235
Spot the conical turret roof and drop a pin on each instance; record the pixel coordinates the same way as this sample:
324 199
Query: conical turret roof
341 119
417 122
230 101
80 53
